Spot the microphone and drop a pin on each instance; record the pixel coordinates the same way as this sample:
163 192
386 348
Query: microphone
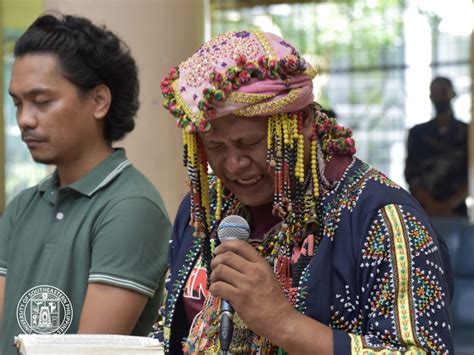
232 227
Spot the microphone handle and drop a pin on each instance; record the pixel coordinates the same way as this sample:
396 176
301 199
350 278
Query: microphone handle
226 328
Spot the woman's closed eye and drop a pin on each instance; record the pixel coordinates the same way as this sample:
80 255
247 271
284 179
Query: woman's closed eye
250 142
213 145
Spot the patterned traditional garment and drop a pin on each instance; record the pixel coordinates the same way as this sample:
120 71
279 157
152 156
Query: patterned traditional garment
377 273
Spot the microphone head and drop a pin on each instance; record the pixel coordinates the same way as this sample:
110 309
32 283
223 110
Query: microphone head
233 227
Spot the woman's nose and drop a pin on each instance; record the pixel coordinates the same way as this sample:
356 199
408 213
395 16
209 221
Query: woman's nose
236 162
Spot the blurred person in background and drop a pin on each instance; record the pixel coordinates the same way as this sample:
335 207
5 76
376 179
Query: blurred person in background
436 164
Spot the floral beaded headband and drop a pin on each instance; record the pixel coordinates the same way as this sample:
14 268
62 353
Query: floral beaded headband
247 73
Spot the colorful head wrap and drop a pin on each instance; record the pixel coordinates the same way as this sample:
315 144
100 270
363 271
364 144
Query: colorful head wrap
247 73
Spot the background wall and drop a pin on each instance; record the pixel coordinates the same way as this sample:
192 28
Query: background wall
15 17
160 33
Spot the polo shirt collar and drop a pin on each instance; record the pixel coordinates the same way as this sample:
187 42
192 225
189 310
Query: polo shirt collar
96 179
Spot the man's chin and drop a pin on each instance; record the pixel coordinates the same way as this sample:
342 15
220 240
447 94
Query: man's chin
42 160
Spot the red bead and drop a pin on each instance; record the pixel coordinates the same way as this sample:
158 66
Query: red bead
241 60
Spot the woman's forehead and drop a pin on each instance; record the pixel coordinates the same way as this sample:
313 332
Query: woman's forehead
230 123
235 127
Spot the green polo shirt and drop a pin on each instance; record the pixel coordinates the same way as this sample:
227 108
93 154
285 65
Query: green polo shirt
109 227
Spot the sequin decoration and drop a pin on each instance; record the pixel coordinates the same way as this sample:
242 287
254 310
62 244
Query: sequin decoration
248 97
195 91
229 45
264 107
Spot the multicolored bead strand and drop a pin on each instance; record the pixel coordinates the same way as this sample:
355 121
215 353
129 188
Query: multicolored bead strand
218 199
314 163
270 136
300 151
275 161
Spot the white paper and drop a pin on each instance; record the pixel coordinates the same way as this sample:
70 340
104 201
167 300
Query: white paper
104 344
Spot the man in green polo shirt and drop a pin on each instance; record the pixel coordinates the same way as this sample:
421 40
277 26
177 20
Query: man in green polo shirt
84 251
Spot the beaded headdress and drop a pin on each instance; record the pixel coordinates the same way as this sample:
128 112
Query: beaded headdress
247 73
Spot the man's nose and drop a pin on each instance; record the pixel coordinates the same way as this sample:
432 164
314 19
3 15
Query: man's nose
25 118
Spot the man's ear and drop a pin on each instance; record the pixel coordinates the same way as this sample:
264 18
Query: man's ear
453 94
102 98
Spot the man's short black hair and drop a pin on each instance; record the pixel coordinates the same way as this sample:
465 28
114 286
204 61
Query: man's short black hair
90 56
443 79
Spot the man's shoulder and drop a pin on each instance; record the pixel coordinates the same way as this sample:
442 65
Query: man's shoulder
461 124
421 127
135 180
132 183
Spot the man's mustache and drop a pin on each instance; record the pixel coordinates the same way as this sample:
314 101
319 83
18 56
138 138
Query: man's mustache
32 136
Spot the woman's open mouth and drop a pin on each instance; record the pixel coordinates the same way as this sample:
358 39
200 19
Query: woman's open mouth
249 181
